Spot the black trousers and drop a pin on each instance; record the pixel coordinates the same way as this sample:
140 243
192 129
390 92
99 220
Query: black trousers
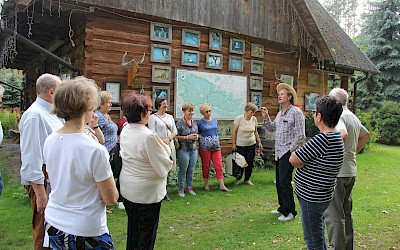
142 224
248 152
284 175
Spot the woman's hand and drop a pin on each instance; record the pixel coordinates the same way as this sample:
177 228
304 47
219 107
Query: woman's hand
93 121
234 147
260 146
166 141
193 137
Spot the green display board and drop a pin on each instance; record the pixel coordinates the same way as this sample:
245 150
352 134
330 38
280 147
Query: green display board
226 93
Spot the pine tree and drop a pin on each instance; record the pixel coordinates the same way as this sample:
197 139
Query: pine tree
381 30
344 13
11 97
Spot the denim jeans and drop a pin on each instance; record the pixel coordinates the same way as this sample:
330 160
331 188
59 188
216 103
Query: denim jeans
187 162
312 218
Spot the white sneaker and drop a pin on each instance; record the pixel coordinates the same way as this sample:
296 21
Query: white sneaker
191 192
286 218
121 205
275 212
181 193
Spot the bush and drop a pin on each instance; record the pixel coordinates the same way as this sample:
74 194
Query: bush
389 122
311 129
370 123
9 120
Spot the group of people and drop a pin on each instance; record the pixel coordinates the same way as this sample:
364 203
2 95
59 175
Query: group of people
68 173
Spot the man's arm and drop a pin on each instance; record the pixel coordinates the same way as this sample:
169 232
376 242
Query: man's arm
268 124
362 139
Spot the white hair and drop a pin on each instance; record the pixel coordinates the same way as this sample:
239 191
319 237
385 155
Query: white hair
46 82
340 95
1 90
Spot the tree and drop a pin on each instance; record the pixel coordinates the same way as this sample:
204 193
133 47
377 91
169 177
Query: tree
381 30
344 13
11 98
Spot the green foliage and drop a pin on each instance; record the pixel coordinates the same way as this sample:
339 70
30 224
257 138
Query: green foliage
370 123
11 98
389 122
311 129
9 120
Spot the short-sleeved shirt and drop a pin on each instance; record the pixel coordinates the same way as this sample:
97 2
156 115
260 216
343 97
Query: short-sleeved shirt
209 139
246 131
109 129
323 157
183 130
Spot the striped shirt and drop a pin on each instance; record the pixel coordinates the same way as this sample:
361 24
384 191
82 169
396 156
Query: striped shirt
322 156
290 130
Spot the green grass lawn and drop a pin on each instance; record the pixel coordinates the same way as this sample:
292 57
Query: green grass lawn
241 219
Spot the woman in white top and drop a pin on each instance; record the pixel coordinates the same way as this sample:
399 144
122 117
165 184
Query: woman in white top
145 166
245 139
163 125
80 174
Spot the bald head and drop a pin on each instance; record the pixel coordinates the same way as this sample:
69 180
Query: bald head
340 95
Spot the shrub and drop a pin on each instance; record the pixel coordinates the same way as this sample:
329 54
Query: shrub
9 120
370 123
311 129
389 122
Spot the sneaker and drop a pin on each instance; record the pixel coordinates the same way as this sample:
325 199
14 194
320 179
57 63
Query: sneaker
191 192
286 218
120 205
275 211
249 183
181 193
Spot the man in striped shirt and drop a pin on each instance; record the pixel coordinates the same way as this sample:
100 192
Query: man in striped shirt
318 163
289 125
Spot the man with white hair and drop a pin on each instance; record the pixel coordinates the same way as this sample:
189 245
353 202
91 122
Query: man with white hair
1 137
36 124
338 216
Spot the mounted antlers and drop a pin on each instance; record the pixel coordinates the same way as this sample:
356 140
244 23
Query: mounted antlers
133 69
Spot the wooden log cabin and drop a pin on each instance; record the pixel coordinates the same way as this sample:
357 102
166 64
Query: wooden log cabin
258 42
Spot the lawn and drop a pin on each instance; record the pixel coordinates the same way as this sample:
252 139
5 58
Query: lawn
241 219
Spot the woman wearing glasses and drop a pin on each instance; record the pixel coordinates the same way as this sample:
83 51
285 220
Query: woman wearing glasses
210 149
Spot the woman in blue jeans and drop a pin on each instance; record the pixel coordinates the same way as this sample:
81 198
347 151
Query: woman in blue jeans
187 153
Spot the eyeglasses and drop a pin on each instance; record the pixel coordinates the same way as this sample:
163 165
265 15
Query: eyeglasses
314 112
208 111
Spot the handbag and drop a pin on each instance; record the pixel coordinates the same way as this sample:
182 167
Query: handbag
234 162
176 142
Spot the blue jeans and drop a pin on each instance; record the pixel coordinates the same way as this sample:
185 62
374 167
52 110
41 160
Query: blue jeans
187 162
312 218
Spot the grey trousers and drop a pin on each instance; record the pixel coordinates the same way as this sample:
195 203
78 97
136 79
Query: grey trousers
339 217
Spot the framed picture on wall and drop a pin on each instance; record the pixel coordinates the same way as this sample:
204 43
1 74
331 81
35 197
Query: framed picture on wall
256 82
215 40
161 32
310 100
160 53
236 46
191 38
160 92
256 98
214 61
161 74
287 79
190 58
114 87
312 79
235 63
257 50
257 67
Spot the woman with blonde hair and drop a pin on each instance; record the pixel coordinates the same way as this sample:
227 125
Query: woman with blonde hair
79 171
245 140
187 153
210 148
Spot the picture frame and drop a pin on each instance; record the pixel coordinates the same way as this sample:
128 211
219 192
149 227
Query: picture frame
225 129
160 92
257 67
310 99
256 83
160 53
237 46
235 63
191 38
257 50
215 40
287 79
190 58
214 60
161 74
114 87
256 98
161 32
312 79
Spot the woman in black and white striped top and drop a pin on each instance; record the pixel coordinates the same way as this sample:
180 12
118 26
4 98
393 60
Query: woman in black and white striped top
318 163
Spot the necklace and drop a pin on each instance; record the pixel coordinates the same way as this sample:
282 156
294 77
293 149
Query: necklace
187 122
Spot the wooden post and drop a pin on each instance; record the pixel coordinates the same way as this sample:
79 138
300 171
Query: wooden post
344 82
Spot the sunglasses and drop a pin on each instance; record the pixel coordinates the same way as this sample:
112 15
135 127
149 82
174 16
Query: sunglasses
208 111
